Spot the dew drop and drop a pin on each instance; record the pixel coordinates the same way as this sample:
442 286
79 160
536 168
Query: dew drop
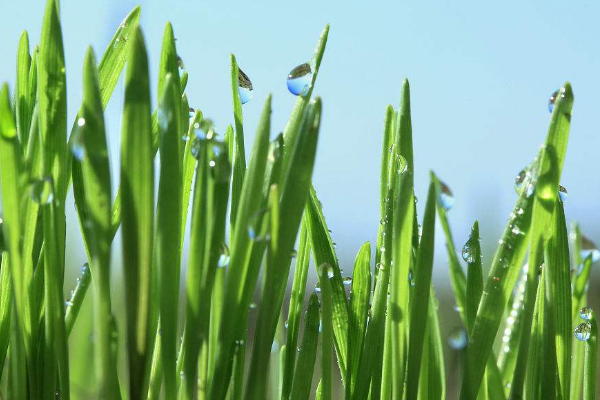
42 191
457 339
402 164
299 80
180 63
583 331
379 266
588 247
224 257
586 313
446 196
330 273
347 281
411 280
523 183
554 97
294 253
317 287
77 142
255 225
252 306
562 192
467 253
245 89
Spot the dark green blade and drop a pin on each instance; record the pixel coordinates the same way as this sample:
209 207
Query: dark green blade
168 242
325 276
308 354
137 204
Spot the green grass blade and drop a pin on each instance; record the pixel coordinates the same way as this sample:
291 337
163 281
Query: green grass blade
239 153
241 246
420 298
293 199
436 388
360 294
189 166
534 363
5 309
579 299
325 277
295 310
95 174
558 299
294 124
547 173
307 356
23 104
474 276
137 204
591 355
76 298
324 253
168 242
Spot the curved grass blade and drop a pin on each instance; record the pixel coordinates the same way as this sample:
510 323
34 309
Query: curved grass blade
137 203
324 253
295 311
420 298
76 298
302 377
294 124
189 166
547 174
293 199
474 276
168 242
5 309
23 104
241 246
239 153
325 276
359 309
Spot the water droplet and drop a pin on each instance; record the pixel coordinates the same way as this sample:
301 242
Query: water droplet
467 253
586 313
553 97
411 278
457 339
402 164
347 281
318 287
239 342
562 192
379 266
330 272
180 63
224 257
446 196
252 306
294 253
244 87
255 225
583 331
299 79
524 182
42 191
588 247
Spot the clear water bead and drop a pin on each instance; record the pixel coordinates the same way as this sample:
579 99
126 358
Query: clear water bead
583 331
446 196
586 313
224 257
299 79
562 192
402 164
42 190
589 248
524 183
77 143
458 339
245 88
347 281
467 253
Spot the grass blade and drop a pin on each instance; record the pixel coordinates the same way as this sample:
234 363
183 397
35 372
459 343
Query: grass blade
420 298
5 309
23 104
325 276
137 203
239 153
306 358
168 242
535 365
295 311
359 309
76 298
591 355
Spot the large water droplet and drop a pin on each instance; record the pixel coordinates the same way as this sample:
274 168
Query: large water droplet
467 253
446 196
524 182
299 79
588 247
402 164
224 257
562 192
77 142
347 281
458 339
42 190
180 63
583 331
244 87
586 313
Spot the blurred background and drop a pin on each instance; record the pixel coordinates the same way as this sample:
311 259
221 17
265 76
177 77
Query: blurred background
481 75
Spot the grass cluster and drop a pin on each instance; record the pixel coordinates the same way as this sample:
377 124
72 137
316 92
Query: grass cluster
379 325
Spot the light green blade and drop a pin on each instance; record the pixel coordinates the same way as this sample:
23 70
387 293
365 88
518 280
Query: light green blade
239 153
308 353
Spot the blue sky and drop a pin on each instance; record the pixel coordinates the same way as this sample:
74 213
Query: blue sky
480 72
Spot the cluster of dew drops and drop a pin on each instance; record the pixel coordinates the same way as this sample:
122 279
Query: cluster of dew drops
583 331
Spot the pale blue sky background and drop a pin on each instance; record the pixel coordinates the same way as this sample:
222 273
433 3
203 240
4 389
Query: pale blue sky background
481 74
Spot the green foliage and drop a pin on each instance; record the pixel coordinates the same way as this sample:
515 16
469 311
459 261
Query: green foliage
380 325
